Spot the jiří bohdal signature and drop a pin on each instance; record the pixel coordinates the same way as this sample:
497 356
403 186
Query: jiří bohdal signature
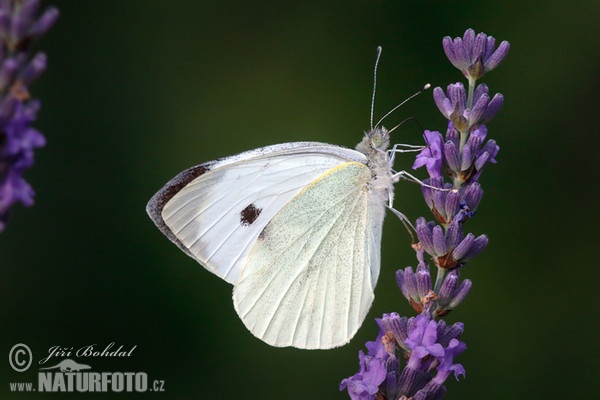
91 350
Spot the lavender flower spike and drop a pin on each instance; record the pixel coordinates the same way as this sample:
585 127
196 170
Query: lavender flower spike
19 26
412 357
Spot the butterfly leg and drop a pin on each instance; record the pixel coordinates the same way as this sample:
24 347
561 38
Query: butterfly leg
402 148
411 178
405 221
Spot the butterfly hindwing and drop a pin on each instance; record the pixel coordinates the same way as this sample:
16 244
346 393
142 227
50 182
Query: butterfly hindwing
309 278
216 211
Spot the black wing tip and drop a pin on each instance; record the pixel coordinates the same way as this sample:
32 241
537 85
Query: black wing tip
174 186
157 203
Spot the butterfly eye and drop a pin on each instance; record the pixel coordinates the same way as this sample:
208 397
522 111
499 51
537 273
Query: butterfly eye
377 140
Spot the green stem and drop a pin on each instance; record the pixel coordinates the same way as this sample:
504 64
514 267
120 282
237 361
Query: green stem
470 92
439 279
464 134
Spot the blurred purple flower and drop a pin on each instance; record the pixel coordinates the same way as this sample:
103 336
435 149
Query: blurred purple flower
20 24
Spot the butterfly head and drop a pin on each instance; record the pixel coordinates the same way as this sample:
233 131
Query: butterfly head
375 141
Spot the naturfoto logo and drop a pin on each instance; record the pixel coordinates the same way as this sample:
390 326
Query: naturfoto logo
68 375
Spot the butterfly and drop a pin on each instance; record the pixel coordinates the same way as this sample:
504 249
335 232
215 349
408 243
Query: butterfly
294 227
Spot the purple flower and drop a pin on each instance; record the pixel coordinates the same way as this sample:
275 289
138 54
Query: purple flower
465 163
470 195
431 156
474 55
373 372
451 294
429 348
446 203
417 288
480 155
434 389
454 348
19 26
453 104
365 384
422 339
443 202
432 346
449 248
484 108
397 326
17 155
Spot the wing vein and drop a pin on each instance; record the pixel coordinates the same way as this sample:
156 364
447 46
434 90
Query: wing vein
337 258
320 269
281 254
304 271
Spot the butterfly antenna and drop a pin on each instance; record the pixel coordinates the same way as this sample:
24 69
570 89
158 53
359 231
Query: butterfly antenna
427 86
375 83
416 121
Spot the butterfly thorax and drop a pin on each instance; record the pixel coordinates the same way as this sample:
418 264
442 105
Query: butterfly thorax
375 145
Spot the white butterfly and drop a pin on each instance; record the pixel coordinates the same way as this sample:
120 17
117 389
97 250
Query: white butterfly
295 227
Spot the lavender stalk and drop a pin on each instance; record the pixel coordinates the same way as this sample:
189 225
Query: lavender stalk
20 24
411 358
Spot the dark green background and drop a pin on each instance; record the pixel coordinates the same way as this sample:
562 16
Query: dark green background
138 90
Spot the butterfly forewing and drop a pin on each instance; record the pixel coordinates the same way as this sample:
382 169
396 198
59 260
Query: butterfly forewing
216 211
309 278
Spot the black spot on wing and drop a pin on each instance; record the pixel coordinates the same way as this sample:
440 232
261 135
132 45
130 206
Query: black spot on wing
249 214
